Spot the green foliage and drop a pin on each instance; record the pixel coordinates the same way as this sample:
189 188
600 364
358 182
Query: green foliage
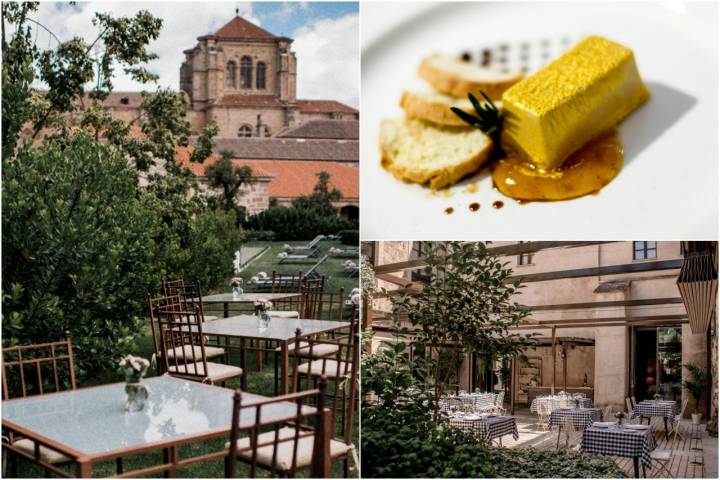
292 223
78 248
465 306
322 197
350 237
205 143
696 383
535 463
261 235
229 179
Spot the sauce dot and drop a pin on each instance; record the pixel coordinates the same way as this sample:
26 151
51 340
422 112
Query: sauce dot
474 207
449 210
498 204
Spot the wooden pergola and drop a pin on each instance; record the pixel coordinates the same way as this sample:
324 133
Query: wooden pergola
388 273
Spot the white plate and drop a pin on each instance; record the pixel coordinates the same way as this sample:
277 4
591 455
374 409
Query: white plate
637 427
602 424
667 188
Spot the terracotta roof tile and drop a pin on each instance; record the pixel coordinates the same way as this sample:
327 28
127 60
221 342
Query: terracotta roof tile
289 178
324 106
240 29
329 129
288 148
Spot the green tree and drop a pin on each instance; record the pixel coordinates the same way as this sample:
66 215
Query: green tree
78 248
466 306
322 197
229 179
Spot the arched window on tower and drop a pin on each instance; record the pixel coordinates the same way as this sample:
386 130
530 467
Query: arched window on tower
246 72
230 74
260 81
245 131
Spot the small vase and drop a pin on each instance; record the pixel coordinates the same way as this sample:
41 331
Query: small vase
696 417
136 393
237 291
263 320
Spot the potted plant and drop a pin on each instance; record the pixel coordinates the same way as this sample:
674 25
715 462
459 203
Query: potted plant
696 384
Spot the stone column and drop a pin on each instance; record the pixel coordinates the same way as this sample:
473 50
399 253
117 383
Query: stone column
611 366
694 350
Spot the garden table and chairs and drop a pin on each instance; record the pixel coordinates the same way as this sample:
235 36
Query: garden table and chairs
83 427
666 409
487 427
631 441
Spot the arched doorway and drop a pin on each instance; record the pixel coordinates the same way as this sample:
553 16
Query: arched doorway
351 212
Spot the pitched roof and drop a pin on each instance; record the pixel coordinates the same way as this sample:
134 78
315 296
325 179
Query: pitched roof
288 148
328 129
289 178
249 101
324 106
240 29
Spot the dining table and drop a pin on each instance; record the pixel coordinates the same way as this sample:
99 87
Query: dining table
581 418
90 425
666 409
280 330
621 441
227 299
485 426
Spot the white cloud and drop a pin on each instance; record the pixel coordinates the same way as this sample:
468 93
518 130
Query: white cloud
327 50
329 59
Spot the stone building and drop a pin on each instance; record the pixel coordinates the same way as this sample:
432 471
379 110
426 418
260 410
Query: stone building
244 79
609 316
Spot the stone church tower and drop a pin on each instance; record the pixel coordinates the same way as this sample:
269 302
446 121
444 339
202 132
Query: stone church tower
244 79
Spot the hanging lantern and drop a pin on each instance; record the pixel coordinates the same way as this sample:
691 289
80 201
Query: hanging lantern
698 285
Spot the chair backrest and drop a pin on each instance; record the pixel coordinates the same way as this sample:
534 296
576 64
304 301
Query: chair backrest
607 412
628 404
155 304
340 367
191 294
168 284
500 398
37 369
286 282
633 401
331 305
180 330
544 407
683 408
289 419
311 290
569 428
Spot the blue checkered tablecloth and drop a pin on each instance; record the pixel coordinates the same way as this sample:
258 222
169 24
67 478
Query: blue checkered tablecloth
650 408
559 402
487 427
581 418
620 442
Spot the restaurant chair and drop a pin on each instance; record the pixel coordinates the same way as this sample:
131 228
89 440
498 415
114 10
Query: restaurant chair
499 408
185 353
285 282
36 369
607 413
181 332
629 406
677 422
544 411
633 401
191 295
298 440
571 433
661 458
341 369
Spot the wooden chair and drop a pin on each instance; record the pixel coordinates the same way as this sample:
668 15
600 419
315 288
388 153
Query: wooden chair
285 282
285 445
174 302
180 331
29 370
341 369
191 295
311 291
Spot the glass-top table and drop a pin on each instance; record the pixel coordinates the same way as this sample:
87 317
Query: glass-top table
281 330
90 425
229 298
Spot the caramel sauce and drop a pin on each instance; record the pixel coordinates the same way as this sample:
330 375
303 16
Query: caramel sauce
474 207
449 210
498 204
585 171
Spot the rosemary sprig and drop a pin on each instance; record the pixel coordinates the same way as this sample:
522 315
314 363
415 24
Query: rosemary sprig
489 119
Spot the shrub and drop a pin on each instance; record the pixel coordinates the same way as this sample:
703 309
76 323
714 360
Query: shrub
534 463
78 249
293 223
261 235
350 237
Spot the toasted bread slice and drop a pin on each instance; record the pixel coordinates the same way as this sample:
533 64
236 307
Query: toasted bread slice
453 76
422 152
435 107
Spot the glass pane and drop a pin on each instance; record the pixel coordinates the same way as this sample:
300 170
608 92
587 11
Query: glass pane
669 340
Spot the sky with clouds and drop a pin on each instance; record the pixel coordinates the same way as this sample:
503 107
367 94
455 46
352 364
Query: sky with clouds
326 37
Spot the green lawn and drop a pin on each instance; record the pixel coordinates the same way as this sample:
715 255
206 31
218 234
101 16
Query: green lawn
261 382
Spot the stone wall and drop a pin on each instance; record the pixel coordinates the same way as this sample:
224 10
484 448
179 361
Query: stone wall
712 426
230 119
